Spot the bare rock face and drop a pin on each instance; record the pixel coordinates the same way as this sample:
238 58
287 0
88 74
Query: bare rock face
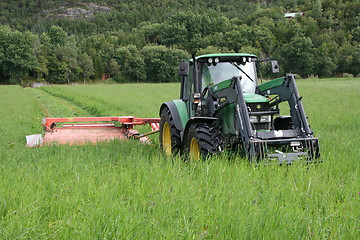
86 10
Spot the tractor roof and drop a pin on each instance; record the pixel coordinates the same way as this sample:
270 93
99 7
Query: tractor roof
224 57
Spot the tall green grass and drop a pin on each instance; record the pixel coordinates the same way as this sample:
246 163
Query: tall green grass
128 190
20 115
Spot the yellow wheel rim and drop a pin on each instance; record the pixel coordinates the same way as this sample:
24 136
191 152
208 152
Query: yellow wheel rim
166 138
194 150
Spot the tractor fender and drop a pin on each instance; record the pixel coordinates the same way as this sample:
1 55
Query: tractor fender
194 120
174 113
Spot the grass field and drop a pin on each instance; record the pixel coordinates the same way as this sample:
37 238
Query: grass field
130 190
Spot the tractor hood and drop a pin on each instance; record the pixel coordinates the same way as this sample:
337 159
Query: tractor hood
254 98
249 97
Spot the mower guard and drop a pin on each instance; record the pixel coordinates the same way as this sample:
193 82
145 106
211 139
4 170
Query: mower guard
82 130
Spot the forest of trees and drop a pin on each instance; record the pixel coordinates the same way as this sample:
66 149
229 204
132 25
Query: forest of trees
143 41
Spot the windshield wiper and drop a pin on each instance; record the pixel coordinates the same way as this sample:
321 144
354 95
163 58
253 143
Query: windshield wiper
234 64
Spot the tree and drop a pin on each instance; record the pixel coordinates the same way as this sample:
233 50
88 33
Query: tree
161 63
63 65
326 60
264 39
237 38
62 55
310 27
101 48
213 49
151 32
350 61
5 32
188 30
131 64
86 65
57 36
41 70
297 56
287 29
17 57
192 26
114 68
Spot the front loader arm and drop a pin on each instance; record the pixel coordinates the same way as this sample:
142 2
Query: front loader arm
233 95
242 116
287 90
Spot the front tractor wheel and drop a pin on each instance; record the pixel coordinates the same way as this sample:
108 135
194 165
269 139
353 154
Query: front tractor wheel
194 150
170 140
203 140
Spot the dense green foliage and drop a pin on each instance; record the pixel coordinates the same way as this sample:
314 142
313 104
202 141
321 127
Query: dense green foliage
141 41
128 190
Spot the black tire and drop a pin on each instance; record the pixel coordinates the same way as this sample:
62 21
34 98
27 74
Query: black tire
209 141
169 133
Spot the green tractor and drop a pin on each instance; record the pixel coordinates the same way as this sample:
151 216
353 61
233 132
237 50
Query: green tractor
223 108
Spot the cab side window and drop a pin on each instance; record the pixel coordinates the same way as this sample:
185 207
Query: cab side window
188 84
205 76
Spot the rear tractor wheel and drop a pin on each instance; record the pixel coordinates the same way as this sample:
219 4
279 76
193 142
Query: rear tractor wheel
170 140
203 140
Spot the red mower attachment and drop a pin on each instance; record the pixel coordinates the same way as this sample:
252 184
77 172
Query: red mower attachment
82 130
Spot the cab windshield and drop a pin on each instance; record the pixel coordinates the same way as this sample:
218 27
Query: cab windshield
226 70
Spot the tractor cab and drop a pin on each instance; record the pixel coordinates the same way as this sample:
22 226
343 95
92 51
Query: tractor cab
212 69
216 70
215 74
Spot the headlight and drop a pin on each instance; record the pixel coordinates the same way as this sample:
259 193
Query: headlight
265 118
254 119
210 60
216 60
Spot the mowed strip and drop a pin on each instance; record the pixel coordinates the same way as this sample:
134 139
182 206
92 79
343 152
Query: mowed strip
140 100
94 106
53 106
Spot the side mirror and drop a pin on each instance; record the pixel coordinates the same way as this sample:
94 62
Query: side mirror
274 66
184 68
